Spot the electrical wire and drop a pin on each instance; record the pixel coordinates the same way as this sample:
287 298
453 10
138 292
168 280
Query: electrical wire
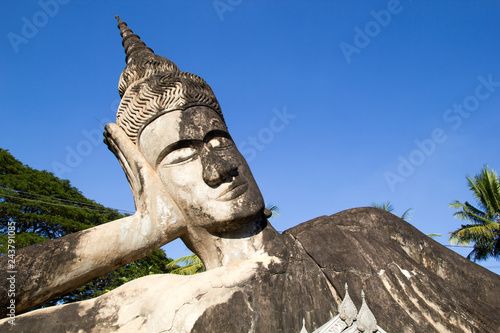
54 198
63 205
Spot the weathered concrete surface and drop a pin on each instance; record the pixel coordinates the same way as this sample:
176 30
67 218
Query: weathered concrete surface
265 294
53 268
412 284
29 278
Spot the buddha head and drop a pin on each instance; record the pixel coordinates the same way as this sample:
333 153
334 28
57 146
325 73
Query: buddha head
174 120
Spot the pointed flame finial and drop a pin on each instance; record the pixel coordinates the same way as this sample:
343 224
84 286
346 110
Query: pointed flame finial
141 61
348 310
365 319
131 42
303 330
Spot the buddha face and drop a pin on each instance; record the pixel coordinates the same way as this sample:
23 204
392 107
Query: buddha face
202 169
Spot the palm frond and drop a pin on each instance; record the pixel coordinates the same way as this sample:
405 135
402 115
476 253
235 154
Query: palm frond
186 260
471 214
407 214
387 206
485 188
192 264
470 233
433 235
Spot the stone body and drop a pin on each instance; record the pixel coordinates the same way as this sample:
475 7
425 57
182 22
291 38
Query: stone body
412 284
189 181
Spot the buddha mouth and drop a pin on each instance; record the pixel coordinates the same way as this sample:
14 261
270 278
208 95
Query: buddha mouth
234 190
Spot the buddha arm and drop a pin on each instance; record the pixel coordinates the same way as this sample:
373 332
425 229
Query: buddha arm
47 270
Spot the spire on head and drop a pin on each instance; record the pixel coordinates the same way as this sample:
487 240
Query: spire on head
141 60
151 85
132 43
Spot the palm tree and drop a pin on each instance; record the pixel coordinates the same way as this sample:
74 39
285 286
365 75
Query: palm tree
192 264
387 206
484 228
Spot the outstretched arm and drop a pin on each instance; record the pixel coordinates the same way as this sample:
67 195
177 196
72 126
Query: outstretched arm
47 270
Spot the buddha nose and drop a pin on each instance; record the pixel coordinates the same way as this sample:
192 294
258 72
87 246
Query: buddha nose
217 167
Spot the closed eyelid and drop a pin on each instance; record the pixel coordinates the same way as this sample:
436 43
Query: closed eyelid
176 145
216 133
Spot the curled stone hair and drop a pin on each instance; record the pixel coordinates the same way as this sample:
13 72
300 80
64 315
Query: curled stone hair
161 93
152 85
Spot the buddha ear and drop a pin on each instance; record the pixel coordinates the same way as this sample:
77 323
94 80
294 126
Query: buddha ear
149 193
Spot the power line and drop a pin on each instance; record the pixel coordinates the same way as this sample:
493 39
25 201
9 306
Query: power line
469 247
54 198
63 205
55 204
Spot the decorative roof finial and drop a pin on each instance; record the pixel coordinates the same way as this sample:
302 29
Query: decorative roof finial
141 61
303 330
347 311
366 320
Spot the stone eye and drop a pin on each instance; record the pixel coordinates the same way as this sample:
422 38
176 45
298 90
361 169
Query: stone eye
179 156
220 142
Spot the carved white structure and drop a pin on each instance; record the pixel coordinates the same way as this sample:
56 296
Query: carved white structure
349 320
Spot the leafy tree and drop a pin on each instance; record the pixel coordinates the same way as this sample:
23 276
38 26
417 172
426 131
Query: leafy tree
42 206
483 231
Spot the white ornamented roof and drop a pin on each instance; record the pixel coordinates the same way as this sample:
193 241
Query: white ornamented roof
349 320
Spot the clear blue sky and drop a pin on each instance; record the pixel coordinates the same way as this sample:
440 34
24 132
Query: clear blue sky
371 86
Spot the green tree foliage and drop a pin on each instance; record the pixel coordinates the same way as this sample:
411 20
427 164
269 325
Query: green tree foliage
387 206
190 265
433 236
483 231
45 207
42 205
